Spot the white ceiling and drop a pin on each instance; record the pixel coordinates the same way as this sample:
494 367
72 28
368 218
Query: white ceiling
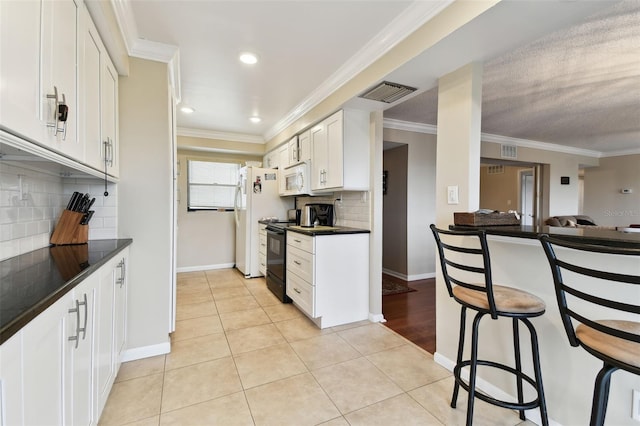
550 74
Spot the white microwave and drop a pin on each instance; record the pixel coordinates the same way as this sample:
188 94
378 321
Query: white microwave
294 180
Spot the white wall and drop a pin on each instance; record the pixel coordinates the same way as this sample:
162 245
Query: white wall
603 200
145 204
421 195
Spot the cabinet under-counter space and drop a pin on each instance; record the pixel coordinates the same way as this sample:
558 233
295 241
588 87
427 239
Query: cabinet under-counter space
328 273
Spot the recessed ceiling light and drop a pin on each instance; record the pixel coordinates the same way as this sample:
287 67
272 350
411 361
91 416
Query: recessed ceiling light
187 109
255 119
248 58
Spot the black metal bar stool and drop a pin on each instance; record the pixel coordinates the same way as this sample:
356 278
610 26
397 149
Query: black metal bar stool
614 341
466 268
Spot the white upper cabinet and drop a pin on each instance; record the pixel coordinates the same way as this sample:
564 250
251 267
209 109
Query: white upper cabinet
58 56
58 87
283 156
304 146
98 100
340 152
20 68
270 160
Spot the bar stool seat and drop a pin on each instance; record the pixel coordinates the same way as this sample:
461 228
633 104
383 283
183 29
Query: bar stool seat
465 255
625 351
508 300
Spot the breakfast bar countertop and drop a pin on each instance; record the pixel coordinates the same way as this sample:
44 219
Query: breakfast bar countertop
584 234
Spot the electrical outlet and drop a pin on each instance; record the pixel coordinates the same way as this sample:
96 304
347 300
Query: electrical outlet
635 405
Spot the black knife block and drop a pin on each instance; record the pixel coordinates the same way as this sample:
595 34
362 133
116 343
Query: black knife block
68 229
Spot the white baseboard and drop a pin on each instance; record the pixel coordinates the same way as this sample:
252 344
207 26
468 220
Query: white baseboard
488 388
405 277
146 352
204 267
376 317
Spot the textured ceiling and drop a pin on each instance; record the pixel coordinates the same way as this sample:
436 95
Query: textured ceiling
578 87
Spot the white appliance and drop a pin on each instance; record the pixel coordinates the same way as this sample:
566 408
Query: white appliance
295 180
256 198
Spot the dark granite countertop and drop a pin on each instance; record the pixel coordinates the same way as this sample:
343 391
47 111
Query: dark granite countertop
327 230
33 281
586 235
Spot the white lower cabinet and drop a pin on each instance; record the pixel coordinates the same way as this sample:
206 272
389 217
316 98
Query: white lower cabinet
59 369
262 249
328 276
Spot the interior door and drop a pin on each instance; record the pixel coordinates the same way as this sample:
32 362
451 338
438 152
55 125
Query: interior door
527 197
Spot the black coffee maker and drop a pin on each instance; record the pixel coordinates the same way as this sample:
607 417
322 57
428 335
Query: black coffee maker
317 214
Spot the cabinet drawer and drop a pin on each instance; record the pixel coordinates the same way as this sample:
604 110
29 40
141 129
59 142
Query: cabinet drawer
300 263
301 241
301 293
262 246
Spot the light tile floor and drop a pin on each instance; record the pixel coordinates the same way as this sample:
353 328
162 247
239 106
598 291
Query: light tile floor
240 357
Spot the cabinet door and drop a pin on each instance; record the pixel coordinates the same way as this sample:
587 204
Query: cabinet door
45 348
80 325
104 361
90 53
319 159
120 309
283 155
304 146
19 68
293 153
11 404
109 120
335 151
58 62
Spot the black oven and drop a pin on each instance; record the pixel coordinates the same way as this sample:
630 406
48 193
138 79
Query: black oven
276 261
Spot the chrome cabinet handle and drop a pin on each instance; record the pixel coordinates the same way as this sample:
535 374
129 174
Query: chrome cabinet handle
296 290
297 241
86 313
77 312
79 329
121 278
297 263
61 113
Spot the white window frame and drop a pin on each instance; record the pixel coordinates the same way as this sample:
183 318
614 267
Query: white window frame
202 203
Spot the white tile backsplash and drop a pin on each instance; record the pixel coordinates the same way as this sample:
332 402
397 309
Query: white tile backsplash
352 211
27 219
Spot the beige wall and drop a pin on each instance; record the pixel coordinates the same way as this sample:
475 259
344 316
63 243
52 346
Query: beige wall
394 234
559 199
206 239
421 199
500 191
145 202
603 200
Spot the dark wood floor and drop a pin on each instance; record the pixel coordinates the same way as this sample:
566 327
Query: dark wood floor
413 314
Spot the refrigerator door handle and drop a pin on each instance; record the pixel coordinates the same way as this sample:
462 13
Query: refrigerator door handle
237 205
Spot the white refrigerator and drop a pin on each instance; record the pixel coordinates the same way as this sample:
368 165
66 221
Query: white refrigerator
256 198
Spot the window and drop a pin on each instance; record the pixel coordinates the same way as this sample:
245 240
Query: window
211 185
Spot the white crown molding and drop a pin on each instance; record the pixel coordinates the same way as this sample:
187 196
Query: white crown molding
408 126
126 21
397 30
390 123
526 143
225 136
634 151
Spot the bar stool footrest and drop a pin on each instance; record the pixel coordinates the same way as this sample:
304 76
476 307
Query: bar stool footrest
498 402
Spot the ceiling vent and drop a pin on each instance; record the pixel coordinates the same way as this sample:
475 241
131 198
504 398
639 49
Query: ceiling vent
387 92
509 151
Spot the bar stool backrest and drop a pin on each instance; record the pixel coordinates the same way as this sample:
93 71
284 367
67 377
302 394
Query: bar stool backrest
585 284
464 259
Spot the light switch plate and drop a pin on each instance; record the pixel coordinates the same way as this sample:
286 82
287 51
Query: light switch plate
452 194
